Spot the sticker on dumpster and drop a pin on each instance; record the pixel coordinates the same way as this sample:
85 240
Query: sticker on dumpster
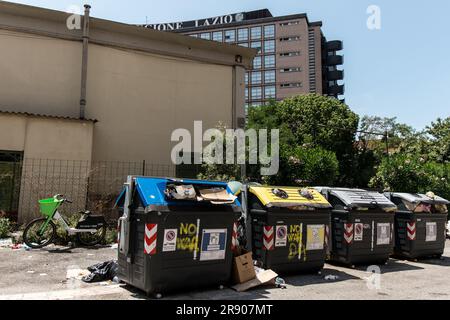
315 237
431 234
170 240
281 238
213 244
383 234
359 231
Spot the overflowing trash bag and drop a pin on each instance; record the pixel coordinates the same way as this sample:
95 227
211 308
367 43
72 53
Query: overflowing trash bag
102 272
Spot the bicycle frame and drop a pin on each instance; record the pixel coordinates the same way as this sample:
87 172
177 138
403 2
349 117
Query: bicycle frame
71 231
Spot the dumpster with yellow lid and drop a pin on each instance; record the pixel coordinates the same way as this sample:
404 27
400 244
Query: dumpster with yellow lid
288 227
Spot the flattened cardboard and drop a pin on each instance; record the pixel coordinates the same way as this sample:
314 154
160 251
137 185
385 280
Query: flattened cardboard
262 278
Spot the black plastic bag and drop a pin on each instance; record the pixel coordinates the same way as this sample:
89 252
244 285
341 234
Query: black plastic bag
102 272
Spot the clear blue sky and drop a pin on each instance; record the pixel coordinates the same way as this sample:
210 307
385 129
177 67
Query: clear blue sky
402 70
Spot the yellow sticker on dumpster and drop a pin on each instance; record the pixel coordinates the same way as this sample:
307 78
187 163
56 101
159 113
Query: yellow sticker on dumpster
315 237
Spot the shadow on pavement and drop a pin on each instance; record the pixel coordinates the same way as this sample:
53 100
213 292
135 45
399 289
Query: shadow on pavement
444 261
205 294
393 265
69 249
310 279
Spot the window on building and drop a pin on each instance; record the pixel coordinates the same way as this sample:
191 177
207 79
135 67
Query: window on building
269 92
256 104
217 36
296 38
269 61
290 23
243 34
243 44
269 76
246 78
256 77
256 45
246 93
257 63
296 69
205 35
291 85
290 54
269 31
255 33
269 46
257 93
230 36
194 35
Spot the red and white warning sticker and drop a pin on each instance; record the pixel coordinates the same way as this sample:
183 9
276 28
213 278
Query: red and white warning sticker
359 231
170 240
281 236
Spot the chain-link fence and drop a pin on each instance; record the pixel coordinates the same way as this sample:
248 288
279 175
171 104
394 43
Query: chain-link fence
90 185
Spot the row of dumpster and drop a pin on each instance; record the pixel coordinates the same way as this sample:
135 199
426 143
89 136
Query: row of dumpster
176 234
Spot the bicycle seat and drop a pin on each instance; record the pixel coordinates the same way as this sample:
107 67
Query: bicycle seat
87 212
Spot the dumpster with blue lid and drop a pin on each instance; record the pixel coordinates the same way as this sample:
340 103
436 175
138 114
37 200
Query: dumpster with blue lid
420 224
362 225
176 234
288 227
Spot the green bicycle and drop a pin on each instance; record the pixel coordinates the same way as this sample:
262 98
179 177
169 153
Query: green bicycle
90 229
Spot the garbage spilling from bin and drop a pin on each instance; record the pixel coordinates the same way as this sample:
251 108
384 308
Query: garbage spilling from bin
173 232
420 222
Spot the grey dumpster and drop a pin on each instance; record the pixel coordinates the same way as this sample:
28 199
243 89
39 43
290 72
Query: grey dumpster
362 224
420 225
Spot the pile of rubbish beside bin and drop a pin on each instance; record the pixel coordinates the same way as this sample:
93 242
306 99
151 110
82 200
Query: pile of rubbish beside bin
181 234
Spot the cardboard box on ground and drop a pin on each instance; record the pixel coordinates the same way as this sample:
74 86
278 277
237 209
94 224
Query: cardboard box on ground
246 275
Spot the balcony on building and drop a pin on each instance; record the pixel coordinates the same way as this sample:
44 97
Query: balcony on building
335 60
335 75
336 90
334 45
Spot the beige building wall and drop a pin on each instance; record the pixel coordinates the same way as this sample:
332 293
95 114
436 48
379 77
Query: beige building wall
138 98
39 74
141 98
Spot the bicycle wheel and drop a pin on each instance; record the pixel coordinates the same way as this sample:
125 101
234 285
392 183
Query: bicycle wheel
90 239
34 239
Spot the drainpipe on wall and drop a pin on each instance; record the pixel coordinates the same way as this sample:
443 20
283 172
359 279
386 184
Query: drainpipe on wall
84 61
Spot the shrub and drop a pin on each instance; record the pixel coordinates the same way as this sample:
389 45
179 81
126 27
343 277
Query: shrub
5 227
409 173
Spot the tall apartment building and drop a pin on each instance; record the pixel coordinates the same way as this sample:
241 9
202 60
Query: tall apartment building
293 58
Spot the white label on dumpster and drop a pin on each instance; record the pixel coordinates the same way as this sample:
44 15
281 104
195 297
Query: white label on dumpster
213 244
359 231
431 234
315 237
383 234
170 240
281 236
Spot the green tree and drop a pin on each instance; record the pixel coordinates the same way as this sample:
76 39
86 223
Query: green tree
412 173
439 140
306 166
312 121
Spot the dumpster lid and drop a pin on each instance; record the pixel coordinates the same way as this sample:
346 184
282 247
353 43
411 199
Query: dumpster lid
419 197
289 197
355 198
151 192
